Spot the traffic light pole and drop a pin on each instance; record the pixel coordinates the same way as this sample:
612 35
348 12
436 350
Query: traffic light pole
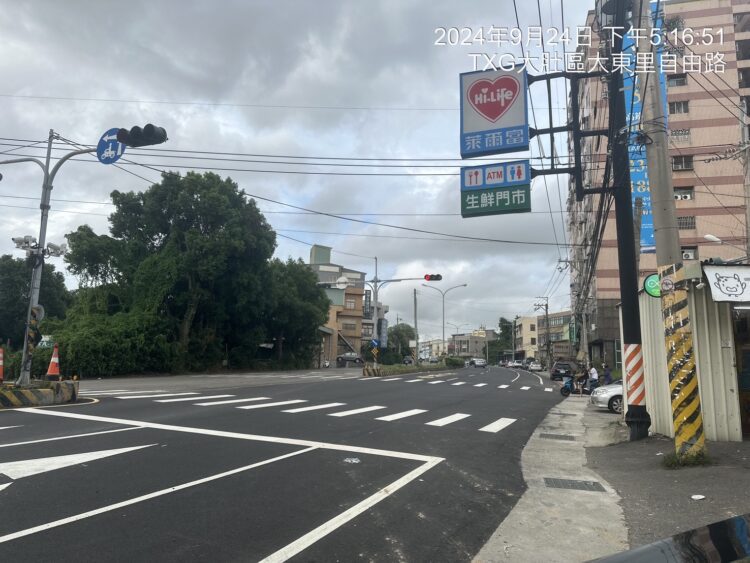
24 378
637 417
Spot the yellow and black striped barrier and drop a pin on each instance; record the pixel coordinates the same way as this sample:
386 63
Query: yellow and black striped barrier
689 436
55 394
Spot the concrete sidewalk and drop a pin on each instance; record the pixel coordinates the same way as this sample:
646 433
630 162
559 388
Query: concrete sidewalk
568 524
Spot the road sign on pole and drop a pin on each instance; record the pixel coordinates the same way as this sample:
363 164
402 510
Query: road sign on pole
493 112
374 343
494 189
109 150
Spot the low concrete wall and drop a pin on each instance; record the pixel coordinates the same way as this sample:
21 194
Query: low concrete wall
55 393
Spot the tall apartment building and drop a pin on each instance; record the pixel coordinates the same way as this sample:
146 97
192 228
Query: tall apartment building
704 121
560 346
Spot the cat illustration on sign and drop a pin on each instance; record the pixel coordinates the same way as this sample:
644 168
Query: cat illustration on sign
732 286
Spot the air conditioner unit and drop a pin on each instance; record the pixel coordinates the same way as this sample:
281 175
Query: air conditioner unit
688 254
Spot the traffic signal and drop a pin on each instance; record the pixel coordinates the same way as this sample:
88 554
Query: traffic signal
433 277
142 137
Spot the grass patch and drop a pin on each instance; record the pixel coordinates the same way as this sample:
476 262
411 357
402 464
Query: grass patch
673 461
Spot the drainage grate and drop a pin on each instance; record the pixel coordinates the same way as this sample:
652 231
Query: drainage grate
558 437
573 484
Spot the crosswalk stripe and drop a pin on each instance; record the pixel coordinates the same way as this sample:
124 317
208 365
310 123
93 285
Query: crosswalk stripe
231 401
159 395
316 407
525 388
391 379
448 419
412 381
548 389
276 404
452 379
459 383
399 415
356 411
436 382
480 385
498 425
503 386
193 398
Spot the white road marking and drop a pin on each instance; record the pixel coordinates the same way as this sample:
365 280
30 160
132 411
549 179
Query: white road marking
480 385
231 401
412 381
452 379
154 396
9 427
193 398
448 419
548 389
111 507
316 407
399 415
276 404
27 467
68 437
391 379
539 378
472 375
286 553
517 376
503 386
6 485
356 411
525 388
436 382
120 392
498 425
459 383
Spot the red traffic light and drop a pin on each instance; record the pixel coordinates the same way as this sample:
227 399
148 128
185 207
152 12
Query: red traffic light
433 277
142 137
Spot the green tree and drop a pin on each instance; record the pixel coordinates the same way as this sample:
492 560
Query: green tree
191 252
15 280
504 340
297 306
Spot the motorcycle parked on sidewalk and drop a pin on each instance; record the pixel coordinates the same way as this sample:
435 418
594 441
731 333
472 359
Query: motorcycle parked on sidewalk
570 386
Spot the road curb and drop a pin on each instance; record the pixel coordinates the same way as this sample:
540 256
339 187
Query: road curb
553 521
54 393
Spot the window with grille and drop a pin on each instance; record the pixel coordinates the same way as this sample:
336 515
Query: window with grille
679 107
349 304
677 79
349 326
685 223
682 162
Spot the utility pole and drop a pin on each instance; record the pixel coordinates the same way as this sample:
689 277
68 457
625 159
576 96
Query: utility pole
637 417
416 331
514 337
585 338
637 220
548 343
678 334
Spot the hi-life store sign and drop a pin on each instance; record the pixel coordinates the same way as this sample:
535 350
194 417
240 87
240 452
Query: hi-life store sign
494 107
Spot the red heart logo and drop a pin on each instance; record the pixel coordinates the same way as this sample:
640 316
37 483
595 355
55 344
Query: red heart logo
492 98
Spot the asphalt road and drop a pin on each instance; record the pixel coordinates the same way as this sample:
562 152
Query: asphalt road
302 466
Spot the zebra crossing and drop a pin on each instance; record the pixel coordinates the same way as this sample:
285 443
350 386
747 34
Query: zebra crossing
338 409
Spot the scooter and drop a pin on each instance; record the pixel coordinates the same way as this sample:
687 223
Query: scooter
570 386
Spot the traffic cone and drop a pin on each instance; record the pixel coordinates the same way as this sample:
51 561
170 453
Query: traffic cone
2 369
53 371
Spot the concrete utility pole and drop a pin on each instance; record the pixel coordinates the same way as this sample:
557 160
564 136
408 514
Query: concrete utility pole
416 330
637 417
637 221
514 337
683 378
547 344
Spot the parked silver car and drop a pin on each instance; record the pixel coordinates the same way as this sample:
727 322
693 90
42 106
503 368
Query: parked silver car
608 397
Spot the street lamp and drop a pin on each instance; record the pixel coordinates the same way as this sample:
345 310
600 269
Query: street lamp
713 238
443 295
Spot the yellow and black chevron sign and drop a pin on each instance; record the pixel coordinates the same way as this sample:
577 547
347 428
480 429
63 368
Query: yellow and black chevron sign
683 378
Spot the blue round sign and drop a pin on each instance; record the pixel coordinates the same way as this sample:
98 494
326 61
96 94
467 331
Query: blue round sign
109 151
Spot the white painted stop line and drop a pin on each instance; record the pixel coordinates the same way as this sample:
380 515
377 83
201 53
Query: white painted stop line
155 396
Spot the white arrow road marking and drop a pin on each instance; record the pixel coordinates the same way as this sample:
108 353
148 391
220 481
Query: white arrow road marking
27 467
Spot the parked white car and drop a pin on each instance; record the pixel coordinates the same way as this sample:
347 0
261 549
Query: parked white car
535 366
480 363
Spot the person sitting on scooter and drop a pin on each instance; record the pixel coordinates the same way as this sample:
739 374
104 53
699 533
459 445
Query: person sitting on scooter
580 380
593 378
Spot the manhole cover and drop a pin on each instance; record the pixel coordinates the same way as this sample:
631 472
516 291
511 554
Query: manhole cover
574 484
558 437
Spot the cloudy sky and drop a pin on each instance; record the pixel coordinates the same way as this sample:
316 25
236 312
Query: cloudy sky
358 88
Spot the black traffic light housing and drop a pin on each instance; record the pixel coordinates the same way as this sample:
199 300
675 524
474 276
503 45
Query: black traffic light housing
142 137
433 277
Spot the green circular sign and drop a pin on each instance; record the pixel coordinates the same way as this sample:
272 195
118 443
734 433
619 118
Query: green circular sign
651 285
